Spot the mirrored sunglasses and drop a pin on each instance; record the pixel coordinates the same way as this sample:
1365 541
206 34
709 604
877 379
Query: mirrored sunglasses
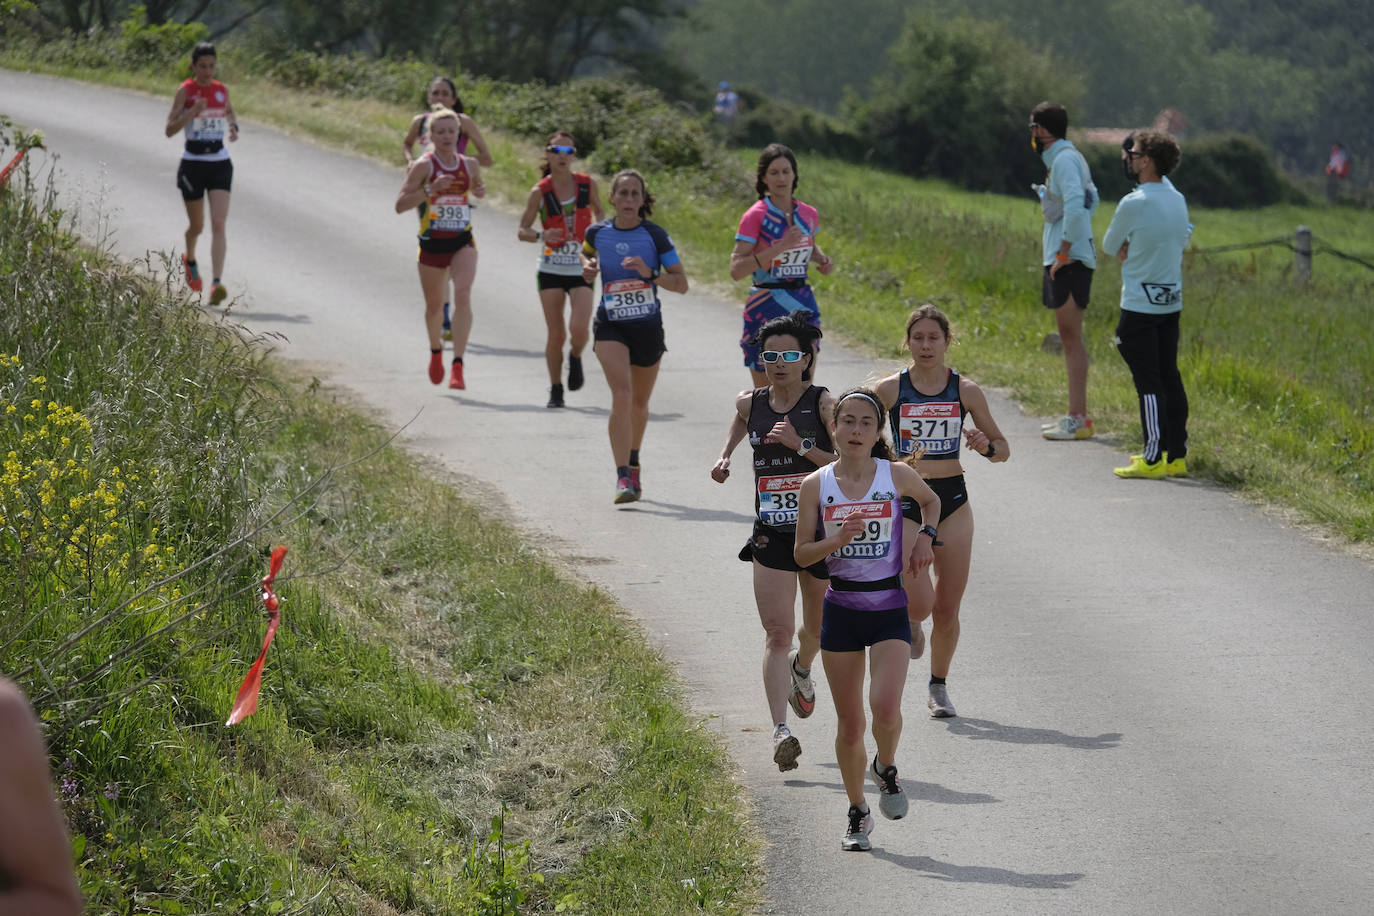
787 356
561 150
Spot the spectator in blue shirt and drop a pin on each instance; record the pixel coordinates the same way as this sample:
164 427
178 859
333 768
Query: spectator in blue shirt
1148 234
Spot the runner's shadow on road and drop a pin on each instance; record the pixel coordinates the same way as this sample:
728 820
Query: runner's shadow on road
685 513
486 350
986 730
279 317
977 874
464 401
917 791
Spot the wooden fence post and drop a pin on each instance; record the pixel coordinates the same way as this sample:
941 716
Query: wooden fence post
1303 250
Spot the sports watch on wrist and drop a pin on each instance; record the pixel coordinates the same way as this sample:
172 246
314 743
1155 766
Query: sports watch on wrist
806 446
930 530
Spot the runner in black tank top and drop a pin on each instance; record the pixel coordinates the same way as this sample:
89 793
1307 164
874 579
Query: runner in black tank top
929 406
785 424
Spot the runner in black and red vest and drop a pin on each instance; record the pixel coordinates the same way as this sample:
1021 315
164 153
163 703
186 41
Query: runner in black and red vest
567 203
201 109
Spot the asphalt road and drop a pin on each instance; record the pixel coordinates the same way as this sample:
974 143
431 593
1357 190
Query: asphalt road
1164 692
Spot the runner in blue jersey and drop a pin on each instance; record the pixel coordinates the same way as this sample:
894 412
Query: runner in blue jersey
635 258
929 408
850 515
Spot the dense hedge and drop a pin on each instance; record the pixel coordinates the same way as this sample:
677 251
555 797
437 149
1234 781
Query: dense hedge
1232 171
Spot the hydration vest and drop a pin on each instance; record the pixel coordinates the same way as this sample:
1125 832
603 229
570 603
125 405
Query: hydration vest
553 207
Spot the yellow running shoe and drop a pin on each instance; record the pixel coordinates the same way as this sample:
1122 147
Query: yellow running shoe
1139 468
1176 468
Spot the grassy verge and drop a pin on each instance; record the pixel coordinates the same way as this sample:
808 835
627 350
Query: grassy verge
449 724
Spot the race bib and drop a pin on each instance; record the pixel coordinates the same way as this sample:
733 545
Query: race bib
778 499
208 128
628 299
792 263
933 427
874 542
450 214
565 255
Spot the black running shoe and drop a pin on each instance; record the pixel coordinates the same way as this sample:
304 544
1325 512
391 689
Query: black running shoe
555 396
575 376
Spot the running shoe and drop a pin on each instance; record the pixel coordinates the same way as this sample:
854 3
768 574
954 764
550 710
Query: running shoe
575 376
448 325
634 481
802 699
455 379
1176 468
940 706
918 641
1139 468
786 748
218 293
859 825
436 367
891 800
624 491
1068 428
192 273
555 396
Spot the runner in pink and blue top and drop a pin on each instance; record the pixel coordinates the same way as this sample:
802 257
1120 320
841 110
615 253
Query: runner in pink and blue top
849 514
774 246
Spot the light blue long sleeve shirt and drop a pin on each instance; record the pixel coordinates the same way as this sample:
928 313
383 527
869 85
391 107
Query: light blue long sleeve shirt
1154 220
1069 201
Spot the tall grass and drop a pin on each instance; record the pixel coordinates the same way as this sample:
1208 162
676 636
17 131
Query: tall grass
447 724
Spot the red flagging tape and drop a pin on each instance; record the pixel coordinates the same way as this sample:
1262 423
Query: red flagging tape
246 703
5 174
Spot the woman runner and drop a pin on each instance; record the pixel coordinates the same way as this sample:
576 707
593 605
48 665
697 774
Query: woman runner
444 181
926 404
567 203
443 93
785 423
635 258
775 244
850 515
201 108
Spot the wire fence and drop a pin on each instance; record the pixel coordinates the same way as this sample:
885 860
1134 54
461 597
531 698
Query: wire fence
1319 246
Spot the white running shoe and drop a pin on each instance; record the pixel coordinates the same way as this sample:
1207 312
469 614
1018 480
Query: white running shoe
858 825
786 748
1068 428
891 800
940 706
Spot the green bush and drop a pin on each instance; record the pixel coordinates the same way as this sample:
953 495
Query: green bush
157 48
1231 170
764 120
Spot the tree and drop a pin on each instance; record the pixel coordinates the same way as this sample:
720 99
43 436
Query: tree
955 101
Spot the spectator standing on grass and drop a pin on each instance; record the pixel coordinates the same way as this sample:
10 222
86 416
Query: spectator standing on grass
1147 234
36 877
1067 198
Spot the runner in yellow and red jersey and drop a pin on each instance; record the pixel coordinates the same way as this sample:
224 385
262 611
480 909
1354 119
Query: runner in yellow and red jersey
445 182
